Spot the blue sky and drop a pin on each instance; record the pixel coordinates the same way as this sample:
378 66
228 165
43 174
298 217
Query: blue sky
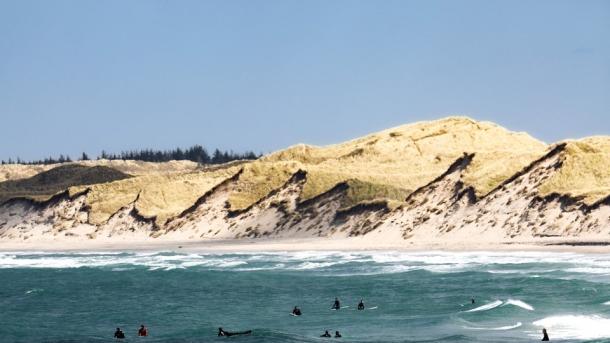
262 75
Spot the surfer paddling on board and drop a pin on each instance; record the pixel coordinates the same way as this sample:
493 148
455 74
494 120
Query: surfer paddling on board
336 305
222 332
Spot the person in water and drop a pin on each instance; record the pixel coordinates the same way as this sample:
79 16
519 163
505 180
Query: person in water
360 305
545 335
337 334
336 304
143 332
296 311
222 332
472 301
325 334
118 334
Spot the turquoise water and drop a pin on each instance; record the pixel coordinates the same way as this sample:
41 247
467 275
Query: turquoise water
420 297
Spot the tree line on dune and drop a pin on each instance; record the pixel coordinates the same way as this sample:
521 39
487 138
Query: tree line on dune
196 153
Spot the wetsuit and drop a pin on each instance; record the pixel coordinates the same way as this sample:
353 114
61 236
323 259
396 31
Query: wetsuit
119 334
326 334
222 332
361 305
336 305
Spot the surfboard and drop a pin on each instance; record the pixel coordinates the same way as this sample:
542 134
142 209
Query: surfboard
342 307
294 315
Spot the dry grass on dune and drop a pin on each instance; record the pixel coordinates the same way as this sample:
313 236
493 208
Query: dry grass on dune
161 196
387 165
395 161
44 185
23 171
585 171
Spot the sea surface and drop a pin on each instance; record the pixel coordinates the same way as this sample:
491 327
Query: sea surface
409 296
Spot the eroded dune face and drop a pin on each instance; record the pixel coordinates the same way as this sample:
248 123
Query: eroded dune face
437 180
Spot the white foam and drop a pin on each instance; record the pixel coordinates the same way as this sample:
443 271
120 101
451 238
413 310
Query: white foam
501 328
564 265
519 303
487 307
575 326
313 265
607 303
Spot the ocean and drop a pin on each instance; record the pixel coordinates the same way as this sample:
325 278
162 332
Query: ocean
409 296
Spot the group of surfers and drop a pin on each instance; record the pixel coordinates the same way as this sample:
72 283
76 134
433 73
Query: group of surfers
296 311
142 332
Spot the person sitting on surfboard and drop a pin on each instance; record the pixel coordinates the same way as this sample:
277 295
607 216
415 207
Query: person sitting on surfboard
545 335
336 304
337 334
360 305
119 334
296 311
143 332
325 334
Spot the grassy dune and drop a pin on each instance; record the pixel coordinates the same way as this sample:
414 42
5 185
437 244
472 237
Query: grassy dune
386 165
47 183
396 161
585 171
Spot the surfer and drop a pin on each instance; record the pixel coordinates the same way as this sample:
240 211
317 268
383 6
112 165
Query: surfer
222 332
336 304
325 334
360 305
545 335
119 334
143 332
296 311
337 334
472 301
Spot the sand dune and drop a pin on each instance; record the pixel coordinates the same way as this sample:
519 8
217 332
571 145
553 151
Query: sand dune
444 182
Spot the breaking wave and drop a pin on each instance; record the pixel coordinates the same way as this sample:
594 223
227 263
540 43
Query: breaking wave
558 265
576 326
486 307
501 328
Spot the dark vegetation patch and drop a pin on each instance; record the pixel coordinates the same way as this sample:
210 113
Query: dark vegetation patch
45 184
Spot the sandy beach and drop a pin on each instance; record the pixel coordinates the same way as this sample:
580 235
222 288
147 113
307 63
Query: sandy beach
311 244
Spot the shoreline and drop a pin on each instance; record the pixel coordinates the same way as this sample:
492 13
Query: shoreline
310 244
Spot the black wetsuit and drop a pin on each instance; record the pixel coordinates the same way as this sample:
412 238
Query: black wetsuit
119 334
361 306
336 305
228 334
326 334
545 337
